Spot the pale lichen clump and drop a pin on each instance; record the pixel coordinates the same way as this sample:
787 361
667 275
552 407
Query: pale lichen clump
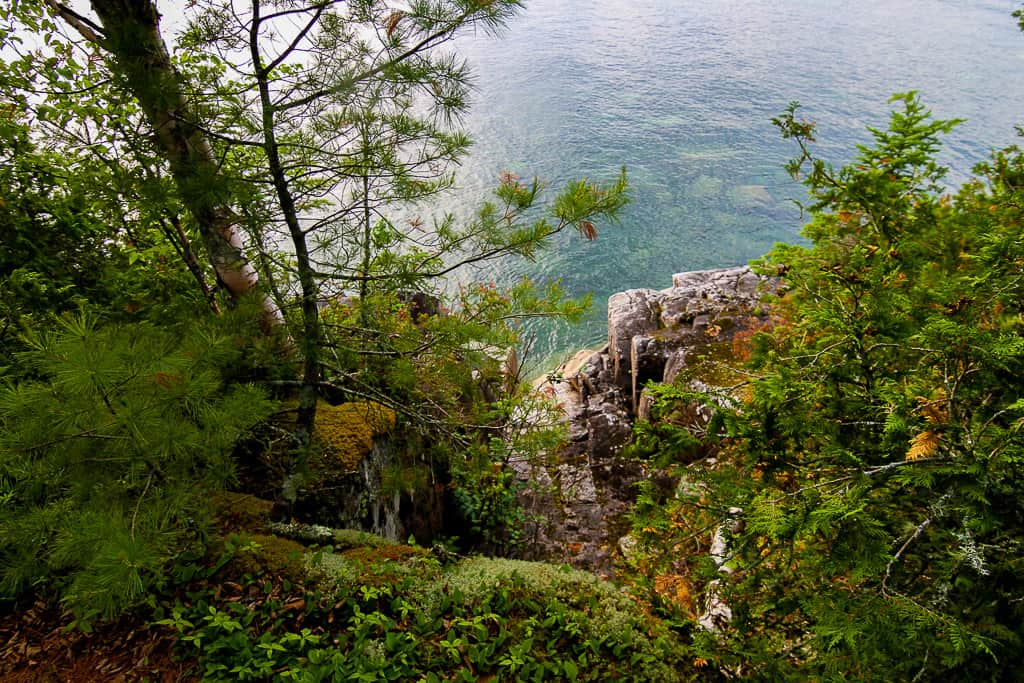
344 435
475 577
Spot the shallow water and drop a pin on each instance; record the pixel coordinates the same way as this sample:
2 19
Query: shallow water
682 92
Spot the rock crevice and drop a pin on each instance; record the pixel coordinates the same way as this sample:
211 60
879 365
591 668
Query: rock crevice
653 335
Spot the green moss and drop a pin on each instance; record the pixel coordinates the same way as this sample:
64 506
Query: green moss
261 553
241 512
384 553
715 364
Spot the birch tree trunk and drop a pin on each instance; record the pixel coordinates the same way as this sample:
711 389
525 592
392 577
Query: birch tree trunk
131 37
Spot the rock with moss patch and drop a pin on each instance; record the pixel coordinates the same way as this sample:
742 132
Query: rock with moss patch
344 434
349 463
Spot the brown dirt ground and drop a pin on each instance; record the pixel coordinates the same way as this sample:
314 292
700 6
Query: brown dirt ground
35 645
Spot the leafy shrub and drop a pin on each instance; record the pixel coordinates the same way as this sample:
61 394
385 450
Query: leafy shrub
486 499
869 488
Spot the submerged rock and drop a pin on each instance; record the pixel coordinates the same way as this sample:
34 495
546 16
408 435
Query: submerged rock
750 197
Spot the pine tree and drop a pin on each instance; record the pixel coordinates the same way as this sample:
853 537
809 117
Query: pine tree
108 457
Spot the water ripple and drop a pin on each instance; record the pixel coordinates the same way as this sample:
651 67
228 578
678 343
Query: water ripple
682 91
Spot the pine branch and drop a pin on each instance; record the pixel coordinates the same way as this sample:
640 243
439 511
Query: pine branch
138 504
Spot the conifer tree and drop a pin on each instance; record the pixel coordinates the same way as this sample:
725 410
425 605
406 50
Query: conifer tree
872 482
109 455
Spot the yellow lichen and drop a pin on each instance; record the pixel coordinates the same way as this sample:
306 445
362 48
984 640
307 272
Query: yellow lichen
344 434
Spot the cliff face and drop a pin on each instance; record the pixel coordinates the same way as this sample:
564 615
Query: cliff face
652 335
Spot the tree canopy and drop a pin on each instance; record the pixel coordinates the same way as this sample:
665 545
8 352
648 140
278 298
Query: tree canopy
277 158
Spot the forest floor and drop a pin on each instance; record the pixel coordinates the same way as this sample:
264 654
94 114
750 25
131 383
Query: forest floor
38 644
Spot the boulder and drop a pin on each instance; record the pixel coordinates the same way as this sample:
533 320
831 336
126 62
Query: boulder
652 335
720 286
608 430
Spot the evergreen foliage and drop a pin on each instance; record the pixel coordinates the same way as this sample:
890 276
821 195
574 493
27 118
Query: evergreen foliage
876 464
320 131
108 458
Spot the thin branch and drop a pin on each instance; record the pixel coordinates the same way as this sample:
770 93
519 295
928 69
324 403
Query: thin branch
870 472
379 68
300 10
220 136
265 71
78 91
138 504
88 434
493 253
899 553
88 29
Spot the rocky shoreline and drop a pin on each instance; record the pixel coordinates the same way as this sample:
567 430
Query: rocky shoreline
653 335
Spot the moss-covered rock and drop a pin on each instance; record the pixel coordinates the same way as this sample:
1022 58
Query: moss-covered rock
257 554
354 538
344 435
241 512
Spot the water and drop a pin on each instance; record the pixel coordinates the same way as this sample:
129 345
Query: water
682 92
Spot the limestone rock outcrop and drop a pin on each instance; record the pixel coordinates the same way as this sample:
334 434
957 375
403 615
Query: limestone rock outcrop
647 328
652 335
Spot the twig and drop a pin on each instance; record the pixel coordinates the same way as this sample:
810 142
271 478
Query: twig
138 503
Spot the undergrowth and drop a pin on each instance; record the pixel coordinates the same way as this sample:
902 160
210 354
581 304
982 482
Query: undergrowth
364 617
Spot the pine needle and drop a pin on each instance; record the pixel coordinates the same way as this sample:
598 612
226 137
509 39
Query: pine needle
588 230
392 22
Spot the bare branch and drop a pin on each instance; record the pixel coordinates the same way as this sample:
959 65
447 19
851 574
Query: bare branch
265 71
88 29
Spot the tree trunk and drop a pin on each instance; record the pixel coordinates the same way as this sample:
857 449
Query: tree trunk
139 55
310 341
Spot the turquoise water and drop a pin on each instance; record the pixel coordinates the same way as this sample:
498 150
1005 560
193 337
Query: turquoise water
682 92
